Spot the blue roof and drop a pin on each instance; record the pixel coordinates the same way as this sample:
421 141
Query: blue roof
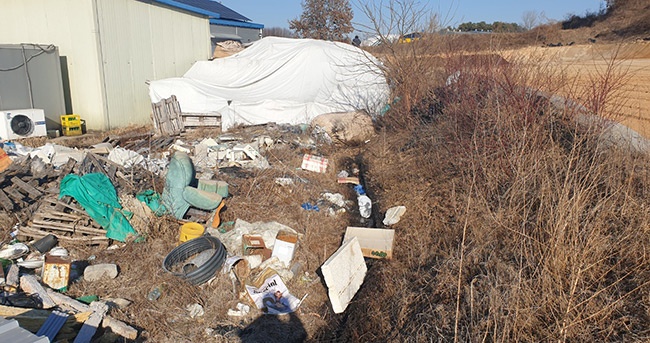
225 22
183 6
216 12
215 7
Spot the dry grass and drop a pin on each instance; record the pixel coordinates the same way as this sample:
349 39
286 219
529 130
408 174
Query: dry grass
519 226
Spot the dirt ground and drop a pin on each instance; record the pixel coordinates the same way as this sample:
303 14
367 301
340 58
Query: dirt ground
627 65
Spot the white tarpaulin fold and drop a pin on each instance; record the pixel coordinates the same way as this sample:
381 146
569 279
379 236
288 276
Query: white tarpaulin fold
280 80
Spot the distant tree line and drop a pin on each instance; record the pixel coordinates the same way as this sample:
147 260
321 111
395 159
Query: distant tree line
277 32
497 26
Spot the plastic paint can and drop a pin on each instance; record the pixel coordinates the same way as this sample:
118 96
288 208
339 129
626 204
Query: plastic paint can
191 230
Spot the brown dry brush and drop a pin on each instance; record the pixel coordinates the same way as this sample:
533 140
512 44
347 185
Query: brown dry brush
547 228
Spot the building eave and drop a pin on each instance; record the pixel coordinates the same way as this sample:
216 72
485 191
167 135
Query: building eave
236 23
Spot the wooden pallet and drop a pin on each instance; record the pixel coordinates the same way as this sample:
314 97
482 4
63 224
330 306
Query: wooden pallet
66 220
167 117
192 120
20 189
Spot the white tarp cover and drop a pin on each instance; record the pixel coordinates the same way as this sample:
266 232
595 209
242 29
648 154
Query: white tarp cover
280 80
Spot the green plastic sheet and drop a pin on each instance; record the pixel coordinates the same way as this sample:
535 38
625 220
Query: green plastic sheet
96 194
152 200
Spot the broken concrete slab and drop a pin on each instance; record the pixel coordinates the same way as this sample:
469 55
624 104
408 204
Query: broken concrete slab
344 272
345 127
98 271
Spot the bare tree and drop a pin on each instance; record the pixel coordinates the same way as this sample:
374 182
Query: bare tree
406 65
530 19
324 19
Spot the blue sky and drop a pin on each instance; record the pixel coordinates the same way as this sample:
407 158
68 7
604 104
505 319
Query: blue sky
276 13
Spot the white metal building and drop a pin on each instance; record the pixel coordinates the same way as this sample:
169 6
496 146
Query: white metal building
225 23
111 48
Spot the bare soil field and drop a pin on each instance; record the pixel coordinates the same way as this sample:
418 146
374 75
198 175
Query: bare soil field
626 66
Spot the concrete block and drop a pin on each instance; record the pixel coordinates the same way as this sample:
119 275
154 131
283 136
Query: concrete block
97 271
344 272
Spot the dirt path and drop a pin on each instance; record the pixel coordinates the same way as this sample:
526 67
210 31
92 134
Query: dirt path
630 67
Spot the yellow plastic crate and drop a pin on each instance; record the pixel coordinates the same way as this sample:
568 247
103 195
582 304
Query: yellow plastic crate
71 120
71 131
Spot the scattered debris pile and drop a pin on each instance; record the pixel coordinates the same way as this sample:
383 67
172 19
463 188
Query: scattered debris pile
182 206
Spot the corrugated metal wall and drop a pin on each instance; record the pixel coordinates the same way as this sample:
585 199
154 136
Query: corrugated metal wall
112 48
141 42
68 24
30 77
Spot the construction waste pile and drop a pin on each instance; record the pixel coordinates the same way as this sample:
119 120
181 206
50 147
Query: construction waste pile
172 233
70 203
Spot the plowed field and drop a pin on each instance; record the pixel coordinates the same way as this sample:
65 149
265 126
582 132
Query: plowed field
628 67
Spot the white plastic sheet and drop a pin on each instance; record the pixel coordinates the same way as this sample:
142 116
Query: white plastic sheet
280 80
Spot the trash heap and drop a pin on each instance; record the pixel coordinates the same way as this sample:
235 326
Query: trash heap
110 195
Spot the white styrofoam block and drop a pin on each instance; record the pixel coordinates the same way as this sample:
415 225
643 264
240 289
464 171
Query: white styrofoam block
344 272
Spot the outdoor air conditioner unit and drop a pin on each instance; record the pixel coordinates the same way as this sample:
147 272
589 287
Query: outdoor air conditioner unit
25 123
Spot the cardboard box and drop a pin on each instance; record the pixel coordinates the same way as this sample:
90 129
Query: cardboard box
375 243
314 163
285 246
254 245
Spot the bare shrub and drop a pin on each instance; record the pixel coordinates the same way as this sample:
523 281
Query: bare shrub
520 226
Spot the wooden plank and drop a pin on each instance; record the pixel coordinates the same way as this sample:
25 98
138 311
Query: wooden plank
58 215
95 163
36 233
115 325
6 202
30 285
201 120
90 326
67 168
120 328
64 203
72 228
17 196
166 116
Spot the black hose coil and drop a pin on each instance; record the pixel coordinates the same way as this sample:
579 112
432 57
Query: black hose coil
205 271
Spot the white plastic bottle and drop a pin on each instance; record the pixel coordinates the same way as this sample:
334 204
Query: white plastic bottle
365 204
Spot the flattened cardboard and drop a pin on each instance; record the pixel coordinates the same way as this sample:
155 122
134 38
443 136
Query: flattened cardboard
375 243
